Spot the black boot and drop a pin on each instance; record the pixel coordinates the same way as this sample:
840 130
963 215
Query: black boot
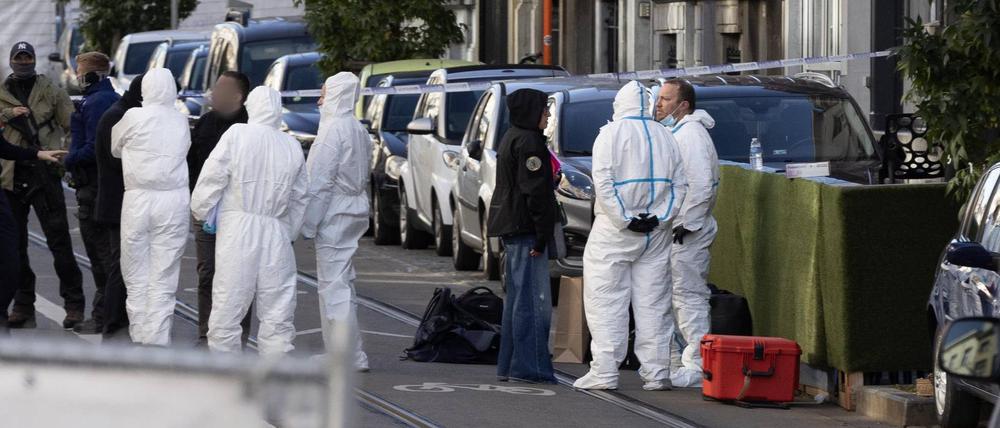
72 319
90 326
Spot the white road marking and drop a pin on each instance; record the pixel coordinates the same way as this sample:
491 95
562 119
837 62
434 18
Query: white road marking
55 313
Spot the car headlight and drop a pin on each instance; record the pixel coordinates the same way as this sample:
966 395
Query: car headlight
394 166
450 158
576 185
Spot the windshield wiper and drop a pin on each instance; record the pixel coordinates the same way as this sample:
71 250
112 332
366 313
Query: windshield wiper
578 152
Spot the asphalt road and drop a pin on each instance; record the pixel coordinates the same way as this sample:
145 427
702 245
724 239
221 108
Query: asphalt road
393 286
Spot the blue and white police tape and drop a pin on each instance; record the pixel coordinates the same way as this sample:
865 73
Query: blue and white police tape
641 75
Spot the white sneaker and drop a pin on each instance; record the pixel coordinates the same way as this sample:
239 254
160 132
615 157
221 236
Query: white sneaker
683 377
658 385
593 381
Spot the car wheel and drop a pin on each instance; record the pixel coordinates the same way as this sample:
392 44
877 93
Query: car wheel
409 237
491 264
442 234
383 233
956 408
463 257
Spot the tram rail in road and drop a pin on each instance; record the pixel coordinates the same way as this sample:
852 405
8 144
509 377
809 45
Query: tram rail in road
190 314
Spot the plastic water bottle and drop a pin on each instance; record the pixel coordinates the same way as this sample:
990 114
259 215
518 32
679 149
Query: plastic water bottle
756 155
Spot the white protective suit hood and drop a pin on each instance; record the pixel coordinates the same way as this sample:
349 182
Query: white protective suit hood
159 88
632 101
264 107
699 116
341 95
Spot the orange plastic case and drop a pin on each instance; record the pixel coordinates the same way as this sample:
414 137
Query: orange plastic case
749 368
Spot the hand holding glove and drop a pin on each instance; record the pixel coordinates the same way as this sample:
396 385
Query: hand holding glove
679 233
645 223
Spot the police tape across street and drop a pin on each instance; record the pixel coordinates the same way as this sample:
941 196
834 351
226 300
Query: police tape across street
643 74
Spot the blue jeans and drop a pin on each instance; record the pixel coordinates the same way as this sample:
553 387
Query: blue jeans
527 315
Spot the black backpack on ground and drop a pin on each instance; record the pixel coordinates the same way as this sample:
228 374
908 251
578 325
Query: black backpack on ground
453 330
730 313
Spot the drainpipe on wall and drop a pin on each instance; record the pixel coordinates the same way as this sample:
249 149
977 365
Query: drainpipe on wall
547 32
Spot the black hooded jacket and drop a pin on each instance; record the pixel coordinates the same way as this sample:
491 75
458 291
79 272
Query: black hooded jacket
110 181
205 135
523 202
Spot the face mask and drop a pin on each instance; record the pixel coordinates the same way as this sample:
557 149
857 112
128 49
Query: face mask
23 71
670 120
88 79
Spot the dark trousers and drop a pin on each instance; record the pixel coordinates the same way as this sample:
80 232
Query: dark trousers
10 267
205 244
50 208
114 315
94 238
527 314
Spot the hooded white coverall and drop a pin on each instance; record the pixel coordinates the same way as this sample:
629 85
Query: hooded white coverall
153 142
689 261
337 215
636 169
256 176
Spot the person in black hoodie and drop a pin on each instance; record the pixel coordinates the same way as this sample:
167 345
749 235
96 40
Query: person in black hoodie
228 96
10 262
523 214
108 209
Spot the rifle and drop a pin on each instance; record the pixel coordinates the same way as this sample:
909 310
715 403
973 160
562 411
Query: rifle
36 170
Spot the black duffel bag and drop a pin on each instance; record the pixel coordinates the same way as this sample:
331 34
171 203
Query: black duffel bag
450 333
730 313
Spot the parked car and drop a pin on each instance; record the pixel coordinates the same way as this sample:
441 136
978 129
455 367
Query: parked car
970 350
251 49
386 118
67 48
796 119
173 57
191 96
966 285
578 107
372 74
299 80
436 131
133 53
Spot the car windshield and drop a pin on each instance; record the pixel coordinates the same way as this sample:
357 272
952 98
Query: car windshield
258 56
790 128
176 61
137 57
302 77
399 111
459 107
579 124
197 82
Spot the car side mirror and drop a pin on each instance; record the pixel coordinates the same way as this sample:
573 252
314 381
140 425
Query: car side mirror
970 254
54 57
969 349
368 125
475 149
423 125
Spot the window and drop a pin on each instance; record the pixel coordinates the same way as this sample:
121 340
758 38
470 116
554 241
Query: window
397 111
197 82
137 57
977 209
480 123
460 106
303 77
790 129
581 122
176 61
255 57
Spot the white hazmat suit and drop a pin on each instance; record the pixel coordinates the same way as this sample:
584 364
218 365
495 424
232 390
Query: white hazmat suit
337 215
637 169
153 142
256 176
689 260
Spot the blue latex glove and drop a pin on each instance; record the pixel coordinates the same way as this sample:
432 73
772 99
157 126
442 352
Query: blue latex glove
212 221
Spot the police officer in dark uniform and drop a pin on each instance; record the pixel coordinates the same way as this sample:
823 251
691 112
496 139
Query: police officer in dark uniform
523 214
